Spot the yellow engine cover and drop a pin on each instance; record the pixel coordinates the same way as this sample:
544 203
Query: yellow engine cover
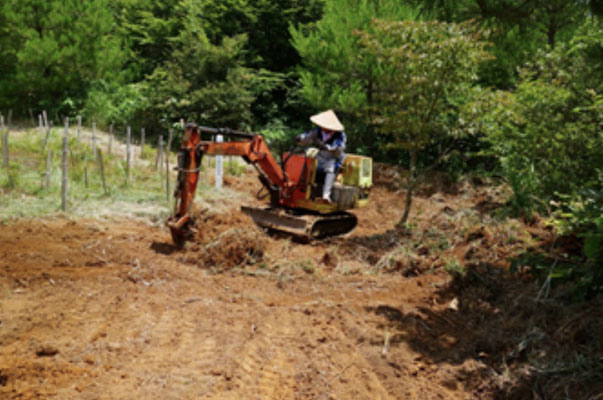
357 171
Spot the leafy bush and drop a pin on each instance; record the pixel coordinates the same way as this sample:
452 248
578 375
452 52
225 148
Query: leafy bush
548 133
548 137
118 104
582 214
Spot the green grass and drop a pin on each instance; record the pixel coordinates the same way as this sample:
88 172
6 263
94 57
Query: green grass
454 268
143 194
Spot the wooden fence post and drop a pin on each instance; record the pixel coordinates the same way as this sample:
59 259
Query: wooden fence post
142 134
206 172
160 157
48 165
167 164
157 164
4 134
110 139
219 165
64 166
40 128
47 125
93 140
101 167
79 128
10 119
128 154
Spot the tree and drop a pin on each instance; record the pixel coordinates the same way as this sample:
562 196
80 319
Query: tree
555 16
268 48
54 49
332 73
202 81
146 27
548 132
424 94
548 135
266 22
519 28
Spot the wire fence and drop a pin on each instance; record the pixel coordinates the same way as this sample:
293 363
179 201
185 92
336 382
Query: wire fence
92 148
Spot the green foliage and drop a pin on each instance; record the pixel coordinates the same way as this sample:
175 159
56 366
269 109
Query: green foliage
582 214
424 94
53 49
269 46
112 103
519 28
454 268
193 79
333 73
425 76
548 133
30 198
203 82
146 26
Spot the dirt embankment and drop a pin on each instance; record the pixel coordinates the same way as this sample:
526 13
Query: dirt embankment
107 309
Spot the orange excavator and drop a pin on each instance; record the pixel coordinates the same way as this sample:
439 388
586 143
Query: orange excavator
292 186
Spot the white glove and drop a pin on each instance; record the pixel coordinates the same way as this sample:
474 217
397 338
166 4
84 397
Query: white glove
311 152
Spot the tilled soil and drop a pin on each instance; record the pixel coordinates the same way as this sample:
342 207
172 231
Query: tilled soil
109 309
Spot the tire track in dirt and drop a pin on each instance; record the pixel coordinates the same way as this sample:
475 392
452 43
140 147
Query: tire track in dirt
145 325
192 353
289 354
261 366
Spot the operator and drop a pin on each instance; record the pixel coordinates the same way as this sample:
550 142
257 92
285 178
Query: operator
329 138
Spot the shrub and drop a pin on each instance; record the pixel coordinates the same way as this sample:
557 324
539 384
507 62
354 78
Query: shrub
547 134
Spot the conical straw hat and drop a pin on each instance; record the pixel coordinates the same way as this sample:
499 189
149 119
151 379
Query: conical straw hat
328 120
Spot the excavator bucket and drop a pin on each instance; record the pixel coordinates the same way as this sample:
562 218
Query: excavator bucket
189 164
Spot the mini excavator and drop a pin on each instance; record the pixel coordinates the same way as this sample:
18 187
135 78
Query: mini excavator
293 186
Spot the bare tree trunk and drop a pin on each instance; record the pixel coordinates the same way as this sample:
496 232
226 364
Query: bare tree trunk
410 186
551 33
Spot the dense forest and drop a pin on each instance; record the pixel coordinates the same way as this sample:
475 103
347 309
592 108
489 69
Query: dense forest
506 88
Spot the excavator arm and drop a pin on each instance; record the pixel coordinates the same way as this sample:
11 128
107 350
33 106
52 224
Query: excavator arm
251 147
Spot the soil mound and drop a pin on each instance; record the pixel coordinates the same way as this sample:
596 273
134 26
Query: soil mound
225 241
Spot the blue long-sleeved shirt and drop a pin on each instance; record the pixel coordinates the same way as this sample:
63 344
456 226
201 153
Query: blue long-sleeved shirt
334 145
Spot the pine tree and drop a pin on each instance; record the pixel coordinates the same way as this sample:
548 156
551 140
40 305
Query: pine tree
332 73
54 49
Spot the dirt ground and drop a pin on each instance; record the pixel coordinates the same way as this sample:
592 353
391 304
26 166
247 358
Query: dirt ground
109 309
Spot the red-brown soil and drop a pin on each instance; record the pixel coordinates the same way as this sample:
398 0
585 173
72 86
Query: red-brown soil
109 309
